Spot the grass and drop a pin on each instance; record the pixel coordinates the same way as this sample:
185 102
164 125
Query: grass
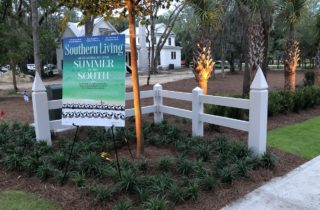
17 200
301 139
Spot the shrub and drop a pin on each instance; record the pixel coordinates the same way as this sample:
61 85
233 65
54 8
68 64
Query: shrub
176 194
165 163
227 174
155 204
58 159
102 193
207 182
192 191
45 171
143 166
78 178
184 166
203 151
243 169
309 78
268 160
160 184
13 162
123 205
90 164
129 181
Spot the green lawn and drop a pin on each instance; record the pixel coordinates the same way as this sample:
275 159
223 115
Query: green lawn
302 139
17 200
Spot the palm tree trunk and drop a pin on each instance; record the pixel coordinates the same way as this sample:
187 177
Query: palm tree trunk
35 36
203 83
291 59
256 49
135 80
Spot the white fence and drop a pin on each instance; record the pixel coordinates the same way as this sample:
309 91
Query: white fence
257 106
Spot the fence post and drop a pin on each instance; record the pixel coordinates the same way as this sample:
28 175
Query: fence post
157 101
258 114
41 110
197 109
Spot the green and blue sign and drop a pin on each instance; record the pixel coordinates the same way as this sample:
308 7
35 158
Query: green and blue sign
94 81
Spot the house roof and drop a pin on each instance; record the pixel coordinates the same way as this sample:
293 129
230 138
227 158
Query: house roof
79 30
159 29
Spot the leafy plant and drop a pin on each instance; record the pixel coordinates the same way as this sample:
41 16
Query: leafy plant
184 166
227 174
165 163
78 179
268 160
155 204
129 181
207 182
160 184
102 193
90 164
203 151
192 191
176 194
243 169
123 205
45 171
13 162
143 166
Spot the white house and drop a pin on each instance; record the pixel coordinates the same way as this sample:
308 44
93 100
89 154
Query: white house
100 27
169 54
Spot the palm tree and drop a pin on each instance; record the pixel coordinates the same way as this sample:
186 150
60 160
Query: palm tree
255 39
208 13
291 11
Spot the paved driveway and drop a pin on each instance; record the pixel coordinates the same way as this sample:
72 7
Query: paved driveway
158 78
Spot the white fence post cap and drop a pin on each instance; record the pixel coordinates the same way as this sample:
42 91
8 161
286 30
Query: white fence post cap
38 85
259 82
197 89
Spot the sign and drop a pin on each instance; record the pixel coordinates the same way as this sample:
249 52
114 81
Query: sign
94 81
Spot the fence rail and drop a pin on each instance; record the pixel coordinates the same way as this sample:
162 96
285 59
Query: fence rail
257 106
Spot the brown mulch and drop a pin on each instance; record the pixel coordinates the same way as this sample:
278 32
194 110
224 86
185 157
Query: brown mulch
71 197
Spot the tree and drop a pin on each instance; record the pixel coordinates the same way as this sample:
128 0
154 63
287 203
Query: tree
255 38
291 12
155 52
15 42
35 35
208 13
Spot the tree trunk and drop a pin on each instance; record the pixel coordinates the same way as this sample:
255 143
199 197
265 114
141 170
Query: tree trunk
153 43
35 35
256 49
88 26
135 79
14 80
204 86
246 80
317 62
232 68
291 59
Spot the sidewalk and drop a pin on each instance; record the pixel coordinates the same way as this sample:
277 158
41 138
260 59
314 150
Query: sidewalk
298 190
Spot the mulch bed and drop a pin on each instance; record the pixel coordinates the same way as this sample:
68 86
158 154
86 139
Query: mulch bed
71 197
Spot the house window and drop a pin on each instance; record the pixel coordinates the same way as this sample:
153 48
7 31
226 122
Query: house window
169 41
173 55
